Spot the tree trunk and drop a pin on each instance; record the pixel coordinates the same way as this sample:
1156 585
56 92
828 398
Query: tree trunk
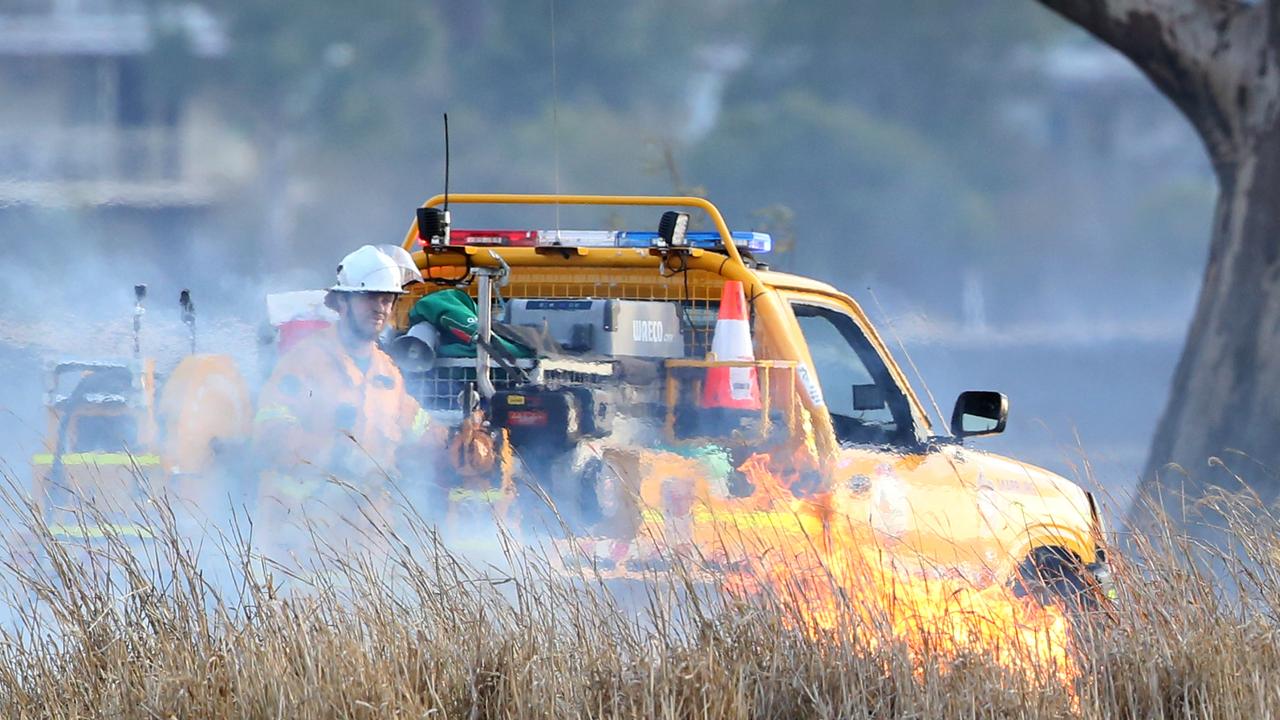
1216 61
1222 421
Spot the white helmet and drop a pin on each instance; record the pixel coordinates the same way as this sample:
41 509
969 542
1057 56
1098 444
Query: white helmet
374 269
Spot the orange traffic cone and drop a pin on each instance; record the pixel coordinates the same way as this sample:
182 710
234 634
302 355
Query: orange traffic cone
735 388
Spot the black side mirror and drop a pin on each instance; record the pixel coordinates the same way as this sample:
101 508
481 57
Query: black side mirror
978 413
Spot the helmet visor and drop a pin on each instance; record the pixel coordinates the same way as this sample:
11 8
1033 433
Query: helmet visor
409 272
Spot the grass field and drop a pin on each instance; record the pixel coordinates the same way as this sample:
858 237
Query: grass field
404 628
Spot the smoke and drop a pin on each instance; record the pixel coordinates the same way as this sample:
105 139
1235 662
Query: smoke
72 298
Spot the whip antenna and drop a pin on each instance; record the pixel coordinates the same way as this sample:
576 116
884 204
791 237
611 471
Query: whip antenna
433 222
446 162
555 117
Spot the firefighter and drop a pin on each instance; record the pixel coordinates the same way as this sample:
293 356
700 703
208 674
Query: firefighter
334 417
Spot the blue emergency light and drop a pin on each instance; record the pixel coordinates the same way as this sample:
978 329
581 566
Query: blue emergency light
757 243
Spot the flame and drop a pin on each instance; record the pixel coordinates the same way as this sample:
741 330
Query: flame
836 564
834 574
836 581
937 618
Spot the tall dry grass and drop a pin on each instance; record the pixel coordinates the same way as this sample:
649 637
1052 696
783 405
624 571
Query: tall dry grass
399 626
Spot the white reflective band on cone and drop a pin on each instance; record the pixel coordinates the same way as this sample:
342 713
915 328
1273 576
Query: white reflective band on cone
732 341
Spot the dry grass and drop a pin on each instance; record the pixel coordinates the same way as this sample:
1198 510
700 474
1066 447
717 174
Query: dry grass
403 628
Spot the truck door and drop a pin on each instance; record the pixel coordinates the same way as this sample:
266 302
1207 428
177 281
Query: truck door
891 491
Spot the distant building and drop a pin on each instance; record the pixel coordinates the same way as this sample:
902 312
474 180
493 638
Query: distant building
92 126
94 129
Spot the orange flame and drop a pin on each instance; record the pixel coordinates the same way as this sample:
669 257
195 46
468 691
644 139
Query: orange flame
834 583
831 571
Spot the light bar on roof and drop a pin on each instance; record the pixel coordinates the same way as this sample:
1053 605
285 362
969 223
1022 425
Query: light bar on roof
757 243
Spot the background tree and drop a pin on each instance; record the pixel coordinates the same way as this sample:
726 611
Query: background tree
1216 60
903 106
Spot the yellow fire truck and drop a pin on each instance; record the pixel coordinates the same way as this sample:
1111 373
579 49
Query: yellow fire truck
627 413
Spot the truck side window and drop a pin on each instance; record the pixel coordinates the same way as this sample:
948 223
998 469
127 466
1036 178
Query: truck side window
866 405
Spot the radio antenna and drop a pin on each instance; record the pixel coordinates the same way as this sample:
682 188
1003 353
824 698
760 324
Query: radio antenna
446 162
555 116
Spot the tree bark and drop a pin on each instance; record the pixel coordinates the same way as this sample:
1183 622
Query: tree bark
1216 61
1223 401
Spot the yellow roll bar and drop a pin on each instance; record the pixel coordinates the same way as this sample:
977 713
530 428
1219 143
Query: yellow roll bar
633 200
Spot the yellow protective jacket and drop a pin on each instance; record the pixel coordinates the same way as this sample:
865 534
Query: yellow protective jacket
319 411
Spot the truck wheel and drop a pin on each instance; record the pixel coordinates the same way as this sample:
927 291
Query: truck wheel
1053 575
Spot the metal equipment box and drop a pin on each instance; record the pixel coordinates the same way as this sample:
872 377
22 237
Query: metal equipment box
612 328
